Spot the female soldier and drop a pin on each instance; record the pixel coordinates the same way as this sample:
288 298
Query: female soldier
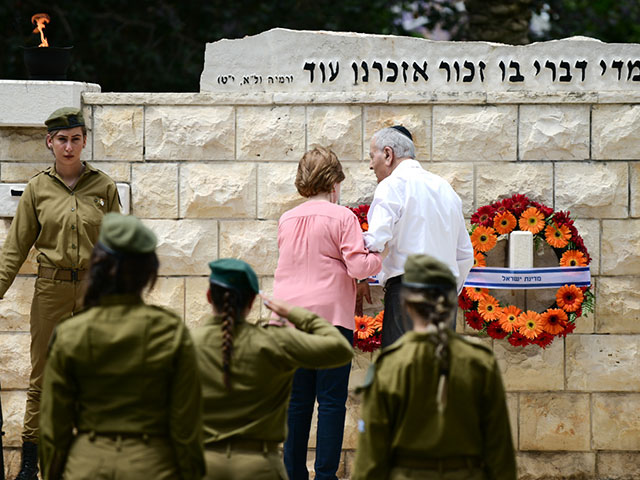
247 371
122 374
434 406
60 213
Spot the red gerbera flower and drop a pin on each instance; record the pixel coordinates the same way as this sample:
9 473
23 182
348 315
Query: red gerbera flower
501 206
569 328
474 320
494 330
546 211
464 302
518 204
483 216
562 218
518 340
544 339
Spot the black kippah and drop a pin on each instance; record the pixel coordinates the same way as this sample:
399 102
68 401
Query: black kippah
403 131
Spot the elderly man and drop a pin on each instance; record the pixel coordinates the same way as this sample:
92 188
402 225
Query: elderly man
413 211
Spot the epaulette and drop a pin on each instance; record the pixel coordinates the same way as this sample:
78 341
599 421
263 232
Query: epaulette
165 310
371 371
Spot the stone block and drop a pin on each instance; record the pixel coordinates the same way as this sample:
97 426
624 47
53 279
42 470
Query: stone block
589 230
25 144
118 171
460 177
15 307
359 184
634 188
118 133
554 132
593 189
615 132
416 118
535 180
277 192
168 292
350 439
512 408
19 172
13 407
603 362
189 133
218 190
255 242
154 190
620 247
531 368
270 133
616 421
556 466
474 133
618 465
338 128
185 247
554 421
15 360
618 305
266 287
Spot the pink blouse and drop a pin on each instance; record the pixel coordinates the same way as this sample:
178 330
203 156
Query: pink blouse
322 252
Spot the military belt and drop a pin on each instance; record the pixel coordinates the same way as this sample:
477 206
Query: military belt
440 464
64 274
244 444
119 436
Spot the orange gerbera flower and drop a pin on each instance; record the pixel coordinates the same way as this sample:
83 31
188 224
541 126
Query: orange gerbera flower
364 326
531 324
569 298
377 321
573 258
531 220
508 318
483 239
504 223
476 293
555 320
489 308
364 227
479 260
557 236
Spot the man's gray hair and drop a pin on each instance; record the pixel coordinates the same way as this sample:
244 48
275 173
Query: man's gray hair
401 145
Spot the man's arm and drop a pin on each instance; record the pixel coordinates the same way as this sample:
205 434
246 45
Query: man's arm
383 214
464 254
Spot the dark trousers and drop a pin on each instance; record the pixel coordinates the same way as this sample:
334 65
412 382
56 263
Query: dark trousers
393 323
330 387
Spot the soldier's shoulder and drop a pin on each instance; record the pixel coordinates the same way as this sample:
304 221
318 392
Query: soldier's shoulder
41 175
472 346
164 312
387 358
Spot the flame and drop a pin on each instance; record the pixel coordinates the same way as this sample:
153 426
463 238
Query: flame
40 20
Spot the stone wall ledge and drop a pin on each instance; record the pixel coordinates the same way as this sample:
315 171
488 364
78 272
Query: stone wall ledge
341 98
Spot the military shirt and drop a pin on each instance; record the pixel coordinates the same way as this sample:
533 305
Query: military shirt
62 223
263 362
122 367
400 415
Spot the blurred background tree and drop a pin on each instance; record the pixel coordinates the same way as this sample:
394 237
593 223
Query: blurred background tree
156 46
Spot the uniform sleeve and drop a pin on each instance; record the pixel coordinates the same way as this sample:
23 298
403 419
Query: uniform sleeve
315 344
185 410
498 451
114 199
359 261
373 456
21 237
383 215
57 413
464 254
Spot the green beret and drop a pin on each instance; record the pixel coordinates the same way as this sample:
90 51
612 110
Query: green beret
126 234
65 117
424 271
234 274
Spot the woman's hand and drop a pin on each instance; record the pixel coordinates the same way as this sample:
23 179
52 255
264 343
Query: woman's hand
279 307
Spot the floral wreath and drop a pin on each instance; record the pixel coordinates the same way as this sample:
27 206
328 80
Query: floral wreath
367 336
485 313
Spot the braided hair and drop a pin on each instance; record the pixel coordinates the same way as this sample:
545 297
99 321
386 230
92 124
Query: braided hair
435 306
231 303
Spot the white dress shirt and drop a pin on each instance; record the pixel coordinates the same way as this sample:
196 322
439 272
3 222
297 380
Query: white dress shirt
415 211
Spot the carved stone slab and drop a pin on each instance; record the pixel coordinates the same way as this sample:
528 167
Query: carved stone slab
282 60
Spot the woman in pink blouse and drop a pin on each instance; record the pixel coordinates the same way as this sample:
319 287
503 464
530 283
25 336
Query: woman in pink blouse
321 254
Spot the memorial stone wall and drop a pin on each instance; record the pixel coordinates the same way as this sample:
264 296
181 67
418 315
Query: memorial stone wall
211 173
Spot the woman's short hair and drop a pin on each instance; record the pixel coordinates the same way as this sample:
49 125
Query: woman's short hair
401 145
318 171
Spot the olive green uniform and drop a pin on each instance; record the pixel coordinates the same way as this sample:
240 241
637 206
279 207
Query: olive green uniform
244 425
63 225
124 376
402 435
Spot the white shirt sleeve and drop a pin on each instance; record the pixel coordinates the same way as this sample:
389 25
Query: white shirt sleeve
464 255
383 214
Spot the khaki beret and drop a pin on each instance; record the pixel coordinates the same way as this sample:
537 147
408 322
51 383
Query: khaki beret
424 271
65 117
126 234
